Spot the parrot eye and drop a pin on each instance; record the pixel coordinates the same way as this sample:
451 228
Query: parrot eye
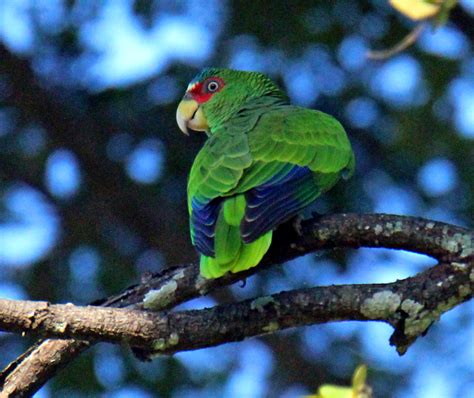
212 86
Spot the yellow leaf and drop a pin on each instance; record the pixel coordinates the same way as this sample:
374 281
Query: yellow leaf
329 391
416 9
359 377
358 389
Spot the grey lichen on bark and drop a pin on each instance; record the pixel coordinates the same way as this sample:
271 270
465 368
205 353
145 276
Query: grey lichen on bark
410 305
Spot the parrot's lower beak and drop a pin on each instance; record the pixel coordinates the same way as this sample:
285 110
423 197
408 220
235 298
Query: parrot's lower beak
189 115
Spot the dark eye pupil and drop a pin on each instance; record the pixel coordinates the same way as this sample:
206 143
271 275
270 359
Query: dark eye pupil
212 86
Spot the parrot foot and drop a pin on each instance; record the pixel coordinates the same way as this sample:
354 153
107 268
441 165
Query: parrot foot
316 216
297 224
146 277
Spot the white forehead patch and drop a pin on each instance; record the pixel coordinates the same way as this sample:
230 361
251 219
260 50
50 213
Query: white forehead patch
191 86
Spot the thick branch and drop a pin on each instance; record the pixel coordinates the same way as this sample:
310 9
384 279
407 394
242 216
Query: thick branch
410 305
435 239
442 241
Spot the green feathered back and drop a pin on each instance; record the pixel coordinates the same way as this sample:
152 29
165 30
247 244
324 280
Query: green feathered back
260 166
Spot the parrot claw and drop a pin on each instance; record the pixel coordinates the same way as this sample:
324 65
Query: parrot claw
297 225
146 277
316 216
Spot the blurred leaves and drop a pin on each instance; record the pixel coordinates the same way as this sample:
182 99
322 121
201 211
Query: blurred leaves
99 81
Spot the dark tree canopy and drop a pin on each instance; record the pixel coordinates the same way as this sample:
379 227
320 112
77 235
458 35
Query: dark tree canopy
93 177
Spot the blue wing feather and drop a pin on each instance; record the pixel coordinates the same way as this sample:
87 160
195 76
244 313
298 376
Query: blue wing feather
268 205
203 221
277 200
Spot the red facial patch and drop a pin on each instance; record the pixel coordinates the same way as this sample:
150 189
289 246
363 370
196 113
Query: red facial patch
203 91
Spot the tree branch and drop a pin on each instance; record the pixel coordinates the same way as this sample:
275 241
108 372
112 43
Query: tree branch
410 306
442 241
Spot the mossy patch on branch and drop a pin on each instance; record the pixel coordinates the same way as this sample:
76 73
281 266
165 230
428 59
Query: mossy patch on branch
381 305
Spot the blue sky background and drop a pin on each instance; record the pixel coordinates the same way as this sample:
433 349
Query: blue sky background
120 51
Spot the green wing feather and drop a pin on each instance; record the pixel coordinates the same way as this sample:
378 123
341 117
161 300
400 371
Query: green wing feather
218 167
303 137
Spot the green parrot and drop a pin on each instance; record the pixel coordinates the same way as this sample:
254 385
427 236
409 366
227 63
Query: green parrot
264 161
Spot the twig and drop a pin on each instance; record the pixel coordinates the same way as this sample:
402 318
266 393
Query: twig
402 45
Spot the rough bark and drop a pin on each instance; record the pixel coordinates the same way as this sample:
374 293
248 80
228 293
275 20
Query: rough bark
410 305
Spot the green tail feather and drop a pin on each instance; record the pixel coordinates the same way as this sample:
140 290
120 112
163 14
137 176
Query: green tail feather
232 254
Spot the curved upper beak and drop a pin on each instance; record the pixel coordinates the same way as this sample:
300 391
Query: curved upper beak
189 115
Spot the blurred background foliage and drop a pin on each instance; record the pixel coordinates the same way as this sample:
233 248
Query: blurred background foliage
93 173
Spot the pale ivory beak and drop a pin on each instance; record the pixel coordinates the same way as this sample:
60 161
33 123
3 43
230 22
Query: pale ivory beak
189 115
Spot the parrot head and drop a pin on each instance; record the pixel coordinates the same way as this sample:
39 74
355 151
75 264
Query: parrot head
215 95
